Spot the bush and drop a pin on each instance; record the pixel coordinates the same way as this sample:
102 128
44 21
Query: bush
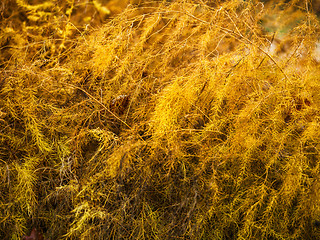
177 119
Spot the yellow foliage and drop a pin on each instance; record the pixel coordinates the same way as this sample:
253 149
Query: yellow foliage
173 119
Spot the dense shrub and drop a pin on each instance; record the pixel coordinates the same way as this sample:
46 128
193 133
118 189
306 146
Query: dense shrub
174 119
